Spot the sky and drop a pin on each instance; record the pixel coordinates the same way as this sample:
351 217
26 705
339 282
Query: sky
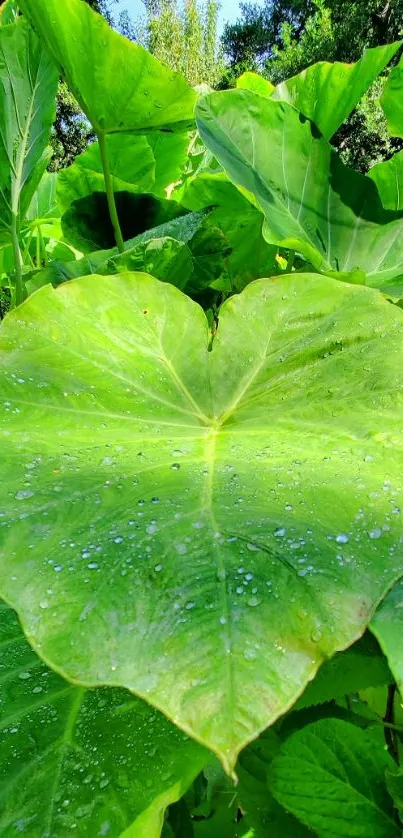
229 9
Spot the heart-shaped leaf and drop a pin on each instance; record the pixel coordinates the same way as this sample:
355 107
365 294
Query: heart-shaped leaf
311 201
119 85
202 527
93 761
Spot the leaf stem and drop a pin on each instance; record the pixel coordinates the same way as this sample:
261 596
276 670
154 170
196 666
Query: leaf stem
19 282
290 261
109 193
389 721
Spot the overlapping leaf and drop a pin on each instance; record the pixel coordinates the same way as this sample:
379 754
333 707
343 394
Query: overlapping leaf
311 201
92 761
392 101
119 85
205 527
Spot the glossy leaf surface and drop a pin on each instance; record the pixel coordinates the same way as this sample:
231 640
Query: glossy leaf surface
27 108
327 92
205 527
331 775
91 761
312 203
119 85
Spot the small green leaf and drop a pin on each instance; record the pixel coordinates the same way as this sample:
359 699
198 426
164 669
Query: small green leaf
331 776
394 782
388 177
93 761
387 626
328 92
258 84
349 672
119 85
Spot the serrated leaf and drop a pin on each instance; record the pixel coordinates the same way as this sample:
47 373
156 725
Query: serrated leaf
331 776
230 501
95 761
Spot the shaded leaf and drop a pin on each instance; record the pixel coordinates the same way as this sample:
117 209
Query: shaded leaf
387 626
388 177
392 101
229 501
87 224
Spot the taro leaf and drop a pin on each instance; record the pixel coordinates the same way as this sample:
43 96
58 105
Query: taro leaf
171 157
348 672
94 761
327 92
251 256
311 201
388 177
387 626
392 101
27 108
258 84
87 224
262 812
119 85
131 162
216 521
331 776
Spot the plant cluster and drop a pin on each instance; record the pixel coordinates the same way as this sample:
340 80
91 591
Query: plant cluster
201 402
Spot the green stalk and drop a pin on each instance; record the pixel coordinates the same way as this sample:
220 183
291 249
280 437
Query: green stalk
19 283
109 193
290 262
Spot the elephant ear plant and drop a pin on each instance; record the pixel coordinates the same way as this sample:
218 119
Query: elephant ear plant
201 537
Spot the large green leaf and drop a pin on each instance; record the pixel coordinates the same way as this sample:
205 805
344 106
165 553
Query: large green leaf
44 206
94 761
311 201
119 85
331 775
328 92
171 157
392 101
387 626
131 163
27 107
202 527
